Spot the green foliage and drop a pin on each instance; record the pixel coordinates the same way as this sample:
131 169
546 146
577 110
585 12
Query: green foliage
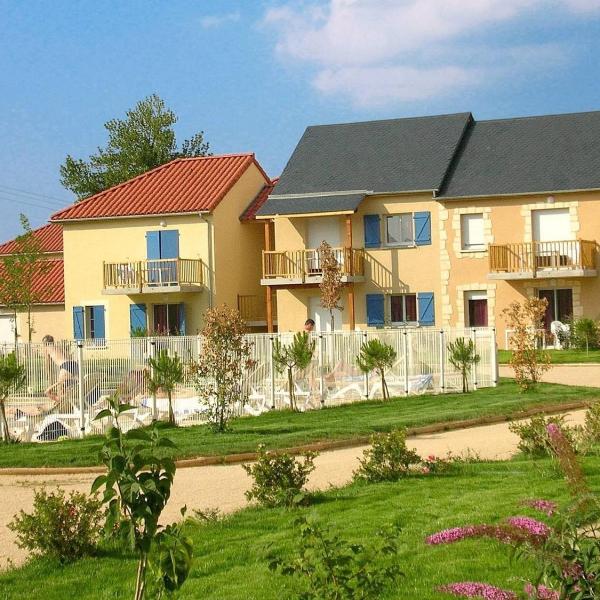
331 568
165 373
139 332
376 356
145 139
585 334
592 423
297 356
279 479
388 458
61 527
12 379
533 434
21 269
137 487
463 357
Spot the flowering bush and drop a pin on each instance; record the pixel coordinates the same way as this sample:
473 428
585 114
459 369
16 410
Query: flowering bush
592 423
388 458
471 589
534 434
60 526
279 479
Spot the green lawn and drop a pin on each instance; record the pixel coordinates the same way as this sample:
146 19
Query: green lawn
560 357
285 429
231 555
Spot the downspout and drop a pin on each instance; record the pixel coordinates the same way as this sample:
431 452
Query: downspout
211 266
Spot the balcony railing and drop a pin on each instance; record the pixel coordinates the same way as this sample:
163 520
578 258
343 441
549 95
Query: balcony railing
535 258
302 264
146 274
253 308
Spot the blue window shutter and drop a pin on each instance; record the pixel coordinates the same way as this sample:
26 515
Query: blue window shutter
422 228
169 243
375 310
182 319
99 325
137 317
152 245
372 231
78 320
426 308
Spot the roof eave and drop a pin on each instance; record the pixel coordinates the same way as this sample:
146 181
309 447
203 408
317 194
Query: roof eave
510 194
116 217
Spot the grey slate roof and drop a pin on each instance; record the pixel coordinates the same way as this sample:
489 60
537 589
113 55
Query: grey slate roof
395 155
297 205
527 155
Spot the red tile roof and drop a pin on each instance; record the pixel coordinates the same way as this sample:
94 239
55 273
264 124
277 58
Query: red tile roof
49 236
250 213
49 282
185 185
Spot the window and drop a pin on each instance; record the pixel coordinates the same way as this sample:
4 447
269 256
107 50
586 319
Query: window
560 305
89 322
399 230
168 319
403 308
476 308
471 228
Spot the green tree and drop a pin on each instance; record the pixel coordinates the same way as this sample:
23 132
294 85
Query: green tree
145 139
165 373
376 356
12 378
18 289
462 357
295 355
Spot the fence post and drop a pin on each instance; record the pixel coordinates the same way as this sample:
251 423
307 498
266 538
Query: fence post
474 337
405 362
494 358
322 368
153 355
366 377
272 371
81 390
442 361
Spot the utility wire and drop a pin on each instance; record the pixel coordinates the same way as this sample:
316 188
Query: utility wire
34 194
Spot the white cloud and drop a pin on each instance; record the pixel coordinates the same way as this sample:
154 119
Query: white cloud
213 21
384 51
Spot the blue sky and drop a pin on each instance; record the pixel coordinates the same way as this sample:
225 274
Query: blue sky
254 73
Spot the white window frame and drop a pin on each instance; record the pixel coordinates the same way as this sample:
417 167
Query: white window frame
403 296
389 244
465 246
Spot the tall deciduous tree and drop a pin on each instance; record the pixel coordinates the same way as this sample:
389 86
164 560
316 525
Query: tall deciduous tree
18 289
331 282
143 140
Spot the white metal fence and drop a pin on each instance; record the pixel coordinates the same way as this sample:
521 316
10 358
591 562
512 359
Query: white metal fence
68 383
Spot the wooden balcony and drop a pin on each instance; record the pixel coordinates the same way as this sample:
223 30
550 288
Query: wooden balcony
298 267
253 309
154 276
533 260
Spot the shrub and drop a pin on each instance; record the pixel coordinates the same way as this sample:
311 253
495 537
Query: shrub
165 373
388 458
279 479
533 434
527 361
294 356
463 357
12 378
376 356
333 569
60 526
584 334
592 423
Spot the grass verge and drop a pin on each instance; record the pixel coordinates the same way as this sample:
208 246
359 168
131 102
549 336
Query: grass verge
559 357
231 555
279 429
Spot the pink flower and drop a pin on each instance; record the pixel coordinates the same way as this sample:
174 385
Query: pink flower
541 592
523 530
530 525
553 429
470 589
546 506
425 470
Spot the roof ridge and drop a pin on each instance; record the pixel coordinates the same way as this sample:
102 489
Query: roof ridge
414 118
145 174
567 114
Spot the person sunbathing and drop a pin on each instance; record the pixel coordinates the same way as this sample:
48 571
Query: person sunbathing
68 369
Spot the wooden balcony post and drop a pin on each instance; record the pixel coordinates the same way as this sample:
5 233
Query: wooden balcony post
269 292
268 240
351 313
348 253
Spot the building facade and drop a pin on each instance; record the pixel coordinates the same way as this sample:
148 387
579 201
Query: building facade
438 221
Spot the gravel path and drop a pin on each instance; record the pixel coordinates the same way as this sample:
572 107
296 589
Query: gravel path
223 487
580 374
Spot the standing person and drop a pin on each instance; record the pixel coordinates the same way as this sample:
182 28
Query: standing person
309 325
67 368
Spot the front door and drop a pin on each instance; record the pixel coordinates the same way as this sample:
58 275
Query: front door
321 316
